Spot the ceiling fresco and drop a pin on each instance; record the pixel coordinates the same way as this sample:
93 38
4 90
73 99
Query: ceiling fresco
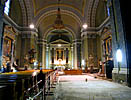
78 5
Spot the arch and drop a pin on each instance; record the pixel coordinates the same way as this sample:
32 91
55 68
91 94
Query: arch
46 13
89 12
24 14
94 13
67 28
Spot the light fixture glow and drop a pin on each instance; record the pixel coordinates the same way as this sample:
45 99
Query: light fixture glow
85 26
83 62
32 26
59 45
119 55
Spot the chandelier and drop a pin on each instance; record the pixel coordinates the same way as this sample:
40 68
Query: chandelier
58 24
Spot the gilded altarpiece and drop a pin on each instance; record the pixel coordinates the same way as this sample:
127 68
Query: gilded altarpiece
8 45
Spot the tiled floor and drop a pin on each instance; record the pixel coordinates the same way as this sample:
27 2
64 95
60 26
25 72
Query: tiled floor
77 88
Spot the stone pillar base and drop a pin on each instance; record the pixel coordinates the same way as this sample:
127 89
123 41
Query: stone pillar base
120 76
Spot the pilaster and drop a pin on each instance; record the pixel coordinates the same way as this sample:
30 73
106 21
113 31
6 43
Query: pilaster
1 28
77 54
85 48
47 57
28 41
42 53
118 42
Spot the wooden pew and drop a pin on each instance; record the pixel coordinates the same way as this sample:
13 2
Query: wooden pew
19 83
73 72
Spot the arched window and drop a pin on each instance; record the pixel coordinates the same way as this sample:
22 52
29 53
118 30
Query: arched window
7 7
108 11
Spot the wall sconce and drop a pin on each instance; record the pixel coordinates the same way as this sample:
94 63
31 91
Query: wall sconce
119 55
32 26
83 62
85 26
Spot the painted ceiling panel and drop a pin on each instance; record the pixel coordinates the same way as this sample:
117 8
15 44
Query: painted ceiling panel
39 5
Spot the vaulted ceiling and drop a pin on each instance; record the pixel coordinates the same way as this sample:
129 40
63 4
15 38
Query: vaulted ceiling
74 14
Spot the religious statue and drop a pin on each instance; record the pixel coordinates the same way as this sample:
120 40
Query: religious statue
91 63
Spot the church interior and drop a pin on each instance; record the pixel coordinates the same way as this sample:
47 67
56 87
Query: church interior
44 41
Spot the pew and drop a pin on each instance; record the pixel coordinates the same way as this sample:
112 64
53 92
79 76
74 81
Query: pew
73 72
23 85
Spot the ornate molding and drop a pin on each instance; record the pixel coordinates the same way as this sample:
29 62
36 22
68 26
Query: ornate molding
93 16
23 12
50 11
28 8
18 28
89 12
96 30
41 41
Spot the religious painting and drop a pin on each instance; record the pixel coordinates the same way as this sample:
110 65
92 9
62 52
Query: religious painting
7 47
107 47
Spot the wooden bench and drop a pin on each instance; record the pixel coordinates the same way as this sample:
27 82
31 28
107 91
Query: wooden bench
73 72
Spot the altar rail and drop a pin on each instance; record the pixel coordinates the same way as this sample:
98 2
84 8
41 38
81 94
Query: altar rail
25 85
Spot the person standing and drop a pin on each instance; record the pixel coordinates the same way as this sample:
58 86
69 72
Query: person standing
100 67
109 68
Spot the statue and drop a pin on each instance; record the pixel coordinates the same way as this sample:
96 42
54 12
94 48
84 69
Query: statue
91 63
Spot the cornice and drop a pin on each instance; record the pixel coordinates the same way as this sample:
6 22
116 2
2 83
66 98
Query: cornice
19 29
96 30
41 41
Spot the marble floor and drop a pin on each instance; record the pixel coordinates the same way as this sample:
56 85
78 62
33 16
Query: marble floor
86 87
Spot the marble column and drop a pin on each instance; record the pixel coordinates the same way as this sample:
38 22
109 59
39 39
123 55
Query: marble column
1 28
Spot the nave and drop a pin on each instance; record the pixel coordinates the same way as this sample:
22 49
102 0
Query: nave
75 87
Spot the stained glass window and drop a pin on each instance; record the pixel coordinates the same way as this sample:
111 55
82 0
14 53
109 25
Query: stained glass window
7 7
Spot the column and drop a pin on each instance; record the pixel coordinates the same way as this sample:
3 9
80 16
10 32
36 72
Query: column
40 45
120 69
67 55
44 55
79 54
52 57
28 42
85 49
47 57
72 64
70 60
2 2
75 55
